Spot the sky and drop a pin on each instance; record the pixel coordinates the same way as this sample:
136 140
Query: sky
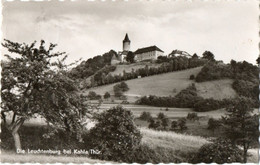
84 29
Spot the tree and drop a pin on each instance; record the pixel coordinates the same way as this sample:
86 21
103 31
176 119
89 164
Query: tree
115 135
151 123
241 124
130 57
106 95
258 60
182 124
161 116
146 116
192 116
220 151
120 88
213 124
195 56
174 125
93 96
36 84
208 55
165 123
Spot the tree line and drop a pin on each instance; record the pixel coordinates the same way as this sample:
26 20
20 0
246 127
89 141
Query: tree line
169 64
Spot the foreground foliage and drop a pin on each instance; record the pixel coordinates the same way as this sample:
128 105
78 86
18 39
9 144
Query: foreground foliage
221 151
115 135
35 83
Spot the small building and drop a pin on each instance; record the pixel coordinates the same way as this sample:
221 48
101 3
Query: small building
176 53
148 53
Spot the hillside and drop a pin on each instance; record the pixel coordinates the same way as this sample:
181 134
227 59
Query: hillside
217 89
170 84
128 68
120 70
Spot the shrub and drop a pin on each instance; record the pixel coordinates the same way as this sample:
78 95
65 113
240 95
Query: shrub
151 124
192 77
192 116
115 134
161 116
93 96
174 125
106 95
210 104
182 124
214 71
221 151
120 88
213 124
145 116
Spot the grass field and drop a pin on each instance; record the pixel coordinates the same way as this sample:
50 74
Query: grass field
218 89
181 143
12 157
170 84
171 113
171 140
160 85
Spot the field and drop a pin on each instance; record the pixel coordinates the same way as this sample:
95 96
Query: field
181 143
217 89
171 113
11 157
172 140
161 85
170 84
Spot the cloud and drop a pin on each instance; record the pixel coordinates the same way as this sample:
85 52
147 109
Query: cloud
85 29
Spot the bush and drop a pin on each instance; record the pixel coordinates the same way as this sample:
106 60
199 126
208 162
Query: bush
145 116
120 88
213 124
174 125
182 124
106 95
192 116
192 77
221 151
210 104
93 96
115 134
214 71
40 137
161 116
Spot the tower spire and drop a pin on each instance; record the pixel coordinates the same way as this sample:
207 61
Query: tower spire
126 38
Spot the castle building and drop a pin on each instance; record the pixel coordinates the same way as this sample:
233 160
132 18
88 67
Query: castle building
121 57
148 53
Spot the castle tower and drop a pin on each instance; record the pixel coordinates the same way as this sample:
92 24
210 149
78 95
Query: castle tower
126 43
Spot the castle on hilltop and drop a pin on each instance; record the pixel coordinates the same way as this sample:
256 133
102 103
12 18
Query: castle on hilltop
121 57
147 53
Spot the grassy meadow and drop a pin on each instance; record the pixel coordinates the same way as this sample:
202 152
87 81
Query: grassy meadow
170 84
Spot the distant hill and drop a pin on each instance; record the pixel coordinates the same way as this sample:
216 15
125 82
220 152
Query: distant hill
170 84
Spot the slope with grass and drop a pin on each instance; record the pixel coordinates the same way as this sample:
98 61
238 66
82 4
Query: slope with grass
217 89
169 84
172 140
160 85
